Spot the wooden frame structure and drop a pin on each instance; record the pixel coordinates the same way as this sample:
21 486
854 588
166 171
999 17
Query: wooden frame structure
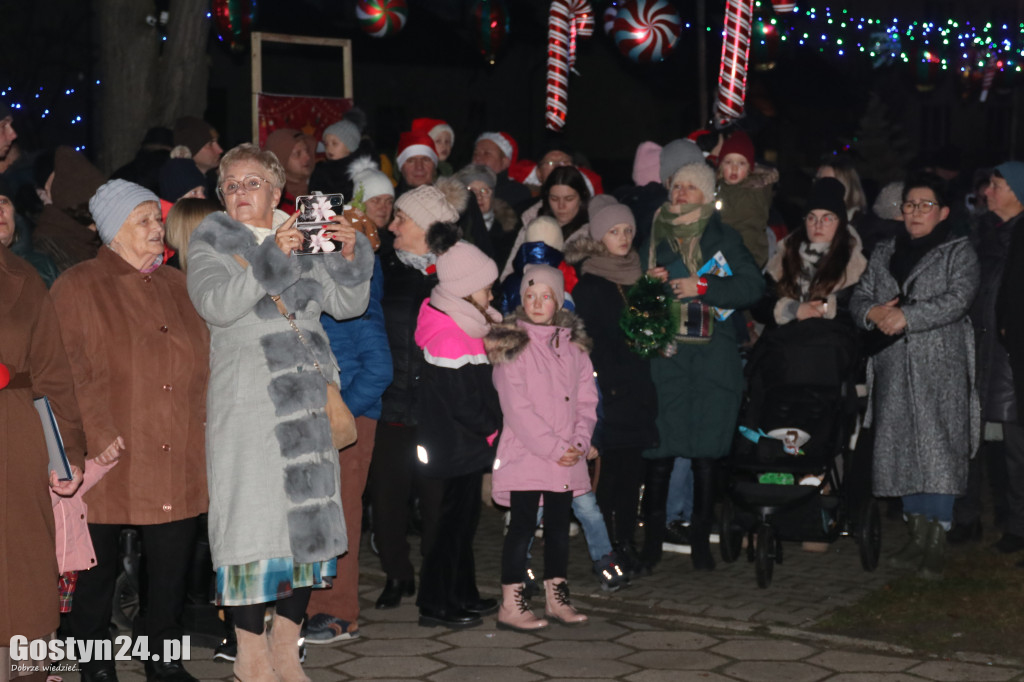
256 50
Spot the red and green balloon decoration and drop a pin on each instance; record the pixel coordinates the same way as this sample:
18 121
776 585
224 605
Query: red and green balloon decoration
382 18
489 22
646 30
233 20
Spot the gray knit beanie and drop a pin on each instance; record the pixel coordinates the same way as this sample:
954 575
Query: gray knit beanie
477 171
676 154
346 131
608 217
113 203
427 205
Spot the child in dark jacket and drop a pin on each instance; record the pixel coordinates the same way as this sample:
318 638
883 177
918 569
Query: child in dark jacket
459 417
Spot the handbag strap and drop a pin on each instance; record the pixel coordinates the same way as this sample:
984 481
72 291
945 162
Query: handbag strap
281 308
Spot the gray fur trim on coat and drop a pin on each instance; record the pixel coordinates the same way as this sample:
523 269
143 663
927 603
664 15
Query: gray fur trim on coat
923 399
273 474
507 340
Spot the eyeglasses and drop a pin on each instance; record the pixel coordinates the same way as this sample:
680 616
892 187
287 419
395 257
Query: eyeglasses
482 191
250 183
909 207
827 220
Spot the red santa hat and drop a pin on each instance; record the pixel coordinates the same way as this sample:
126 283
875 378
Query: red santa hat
506 143
432 127
413 143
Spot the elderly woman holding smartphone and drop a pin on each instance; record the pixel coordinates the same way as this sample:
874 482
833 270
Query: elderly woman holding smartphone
924 404
276 523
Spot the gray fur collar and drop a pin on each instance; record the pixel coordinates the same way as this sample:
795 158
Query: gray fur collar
507 339
225 234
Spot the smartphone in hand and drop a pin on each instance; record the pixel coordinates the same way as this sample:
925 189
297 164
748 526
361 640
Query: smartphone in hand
314 222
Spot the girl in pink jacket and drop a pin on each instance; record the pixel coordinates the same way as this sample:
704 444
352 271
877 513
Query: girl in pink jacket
545 383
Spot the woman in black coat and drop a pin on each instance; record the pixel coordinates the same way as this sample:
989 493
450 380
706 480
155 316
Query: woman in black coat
609 266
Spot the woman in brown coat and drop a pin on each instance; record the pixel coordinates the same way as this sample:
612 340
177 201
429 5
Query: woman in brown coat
140 356
32 354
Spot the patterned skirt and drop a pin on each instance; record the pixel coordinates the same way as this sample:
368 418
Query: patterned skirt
268 580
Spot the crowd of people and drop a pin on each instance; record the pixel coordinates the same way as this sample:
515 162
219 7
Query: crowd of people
470 319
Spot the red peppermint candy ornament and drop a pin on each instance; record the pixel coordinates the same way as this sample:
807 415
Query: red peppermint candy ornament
647 30
382 18
5 376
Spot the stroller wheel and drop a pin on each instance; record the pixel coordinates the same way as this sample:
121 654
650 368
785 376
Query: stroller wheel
731 536
764 559
869 535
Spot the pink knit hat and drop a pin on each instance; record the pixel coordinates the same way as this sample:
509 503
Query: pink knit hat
543 274
608 217
647 163
463 270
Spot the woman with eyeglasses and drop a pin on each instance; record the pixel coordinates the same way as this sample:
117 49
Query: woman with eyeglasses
812 274
276 524
924 405
501 220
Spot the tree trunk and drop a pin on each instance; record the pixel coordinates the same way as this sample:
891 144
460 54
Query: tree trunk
127 69
147 81
185 64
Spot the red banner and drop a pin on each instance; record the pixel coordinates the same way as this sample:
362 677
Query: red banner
308 114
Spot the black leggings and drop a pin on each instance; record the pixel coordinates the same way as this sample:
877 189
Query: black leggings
618 492
250 617
523 522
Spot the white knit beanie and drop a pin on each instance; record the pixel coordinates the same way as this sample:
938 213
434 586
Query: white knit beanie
700 175
346 131
426 205
113 203
545 229
373 183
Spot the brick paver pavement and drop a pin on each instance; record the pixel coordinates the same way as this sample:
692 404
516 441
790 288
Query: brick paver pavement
674 626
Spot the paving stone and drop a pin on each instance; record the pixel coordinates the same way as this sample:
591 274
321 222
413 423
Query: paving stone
476 674
675 660
596 628
482 656
489 636
595 650
326 655
396 647
668 640
764 650
873 677
204 668
847 661
575 667
398 630
393 666
747 613
952 671
776 671
407 612
335 674
676 676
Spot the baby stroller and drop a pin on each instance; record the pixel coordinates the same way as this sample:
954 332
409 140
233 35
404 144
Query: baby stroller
800 411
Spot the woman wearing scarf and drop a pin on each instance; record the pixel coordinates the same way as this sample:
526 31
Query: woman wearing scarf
924 404
699 386
609 266
458 417
812 275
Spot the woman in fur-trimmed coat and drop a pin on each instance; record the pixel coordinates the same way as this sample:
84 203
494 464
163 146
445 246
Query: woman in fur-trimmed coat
276 523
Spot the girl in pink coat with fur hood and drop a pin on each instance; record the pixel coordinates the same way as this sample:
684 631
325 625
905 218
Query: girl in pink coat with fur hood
545 382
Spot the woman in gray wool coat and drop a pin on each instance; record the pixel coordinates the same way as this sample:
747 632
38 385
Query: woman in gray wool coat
924 402
276 523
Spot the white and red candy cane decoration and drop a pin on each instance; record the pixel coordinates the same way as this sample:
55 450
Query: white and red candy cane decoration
732 75
567 21
988 77
783 6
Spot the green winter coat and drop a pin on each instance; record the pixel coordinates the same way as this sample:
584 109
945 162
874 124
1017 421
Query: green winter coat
699 388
